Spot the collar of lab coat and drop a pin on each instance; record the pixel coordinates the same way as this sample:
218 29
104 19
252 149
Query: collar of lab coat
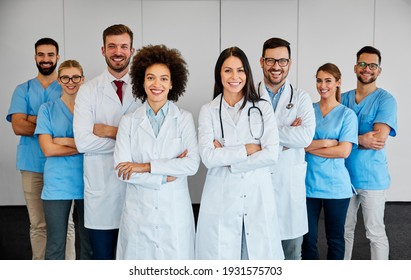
110 91
225 116
144 122
284 98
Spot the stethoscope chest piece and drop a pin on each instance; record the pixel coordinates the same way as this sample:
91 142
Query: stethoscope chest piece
289 106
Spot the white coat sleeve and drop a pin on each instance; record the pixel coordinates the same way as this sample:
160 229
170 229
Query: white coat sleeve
299 136
269 142
83 124
211 156
181 167
122 153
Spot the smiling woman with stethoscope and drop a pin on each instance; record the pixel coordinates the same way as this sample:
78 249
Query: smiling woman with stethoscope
238 143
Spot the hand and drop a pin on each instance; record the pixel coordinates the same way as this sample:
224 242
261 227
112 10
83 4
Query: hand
297 122
171 179
65 141
217 144
330 143
126 169
370 140
252 148
32 119
183 154
106 131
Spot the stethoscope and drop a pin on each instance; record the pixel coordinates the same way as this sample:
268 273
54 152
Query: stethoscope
290 102
249 121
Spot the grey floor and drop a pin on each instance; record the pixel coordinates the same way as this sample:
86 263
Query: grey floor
15 244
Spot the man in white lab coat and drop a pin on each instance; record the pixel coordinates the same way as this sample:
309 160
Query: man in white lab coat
100 104
296 125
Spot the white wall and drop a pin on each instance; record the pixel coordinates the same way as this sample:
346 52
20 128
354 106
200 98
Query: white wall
319 31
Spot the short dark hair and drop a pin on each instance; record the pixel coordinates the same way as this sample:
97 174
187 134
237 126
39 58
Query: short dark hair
273 43
46 41
249 91
117 29
369 49
159 54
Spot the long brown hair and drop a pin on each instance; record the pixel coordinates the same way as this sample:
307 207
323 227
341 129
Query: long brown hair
335 72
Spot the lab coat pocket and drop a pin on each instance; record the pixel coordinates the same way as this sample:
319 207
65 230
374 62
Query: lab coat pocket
212 197
96 176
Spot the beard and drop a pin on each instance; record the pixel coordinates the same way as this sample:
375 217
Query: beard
46 71
118 68
368 81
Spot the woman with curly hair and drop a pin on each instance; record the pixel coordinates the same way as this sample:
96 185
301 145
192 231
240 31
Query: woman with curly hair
156 149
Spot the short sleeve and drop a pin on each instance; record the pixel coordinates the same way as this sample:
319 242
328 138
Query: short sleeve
18 102
349 129
387 113
43 120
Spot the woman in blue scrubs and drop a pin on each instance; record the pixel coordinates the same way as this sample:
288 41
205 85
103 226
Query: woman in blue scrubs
63 171
328 184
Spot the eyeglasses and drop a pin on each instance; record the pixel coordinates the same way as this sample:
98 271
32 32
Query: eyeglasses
372 66
272 61
75 79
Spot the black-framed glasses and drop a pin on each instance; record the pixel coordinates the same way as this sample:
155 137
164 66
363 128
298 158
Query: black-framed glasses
269 61
372 66
75 79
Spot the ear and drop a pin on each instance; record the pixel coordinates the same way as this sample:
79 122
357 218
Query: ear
261 62
102 51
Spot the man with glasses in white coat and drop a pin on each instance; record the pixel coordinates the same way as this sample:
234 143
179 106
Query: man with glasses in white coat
296 124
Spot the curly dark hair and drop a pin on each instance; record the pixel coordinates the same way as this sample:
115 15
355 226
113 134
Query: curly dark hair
159 54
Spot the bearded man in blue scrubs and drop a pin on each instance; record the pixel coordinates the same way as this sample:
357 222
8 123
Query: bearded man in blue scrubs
376 110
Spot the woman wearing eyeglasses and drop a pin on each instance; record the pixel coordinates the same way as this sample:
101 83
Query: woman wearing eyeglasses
328 184
238 142
63 170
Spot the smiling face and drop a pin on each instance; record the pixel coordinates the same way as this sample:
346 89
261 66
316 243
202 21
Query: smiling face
157 85
275 75
327 85
233 77
366 75
46 59
118 52
70 80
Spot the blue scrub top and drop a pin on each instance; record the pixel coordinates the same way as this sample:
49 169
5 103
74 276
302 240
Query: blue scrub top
328 178
27 98
368 168
63 176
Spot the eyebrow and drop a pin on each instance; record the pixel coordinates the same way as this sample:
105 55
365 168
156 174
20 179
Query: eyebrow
151 74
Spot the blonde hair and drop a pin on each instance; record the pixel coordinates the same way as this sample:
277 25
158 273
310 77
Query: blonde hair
71 63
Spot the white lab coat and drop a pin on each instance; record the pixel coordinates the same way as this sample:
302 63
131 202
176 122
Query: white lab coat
289 174
97 102
157 220
238 187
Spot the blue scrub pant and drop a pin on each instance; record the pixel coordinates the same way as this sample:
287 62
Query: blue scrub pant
335 211
57 214
104 243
